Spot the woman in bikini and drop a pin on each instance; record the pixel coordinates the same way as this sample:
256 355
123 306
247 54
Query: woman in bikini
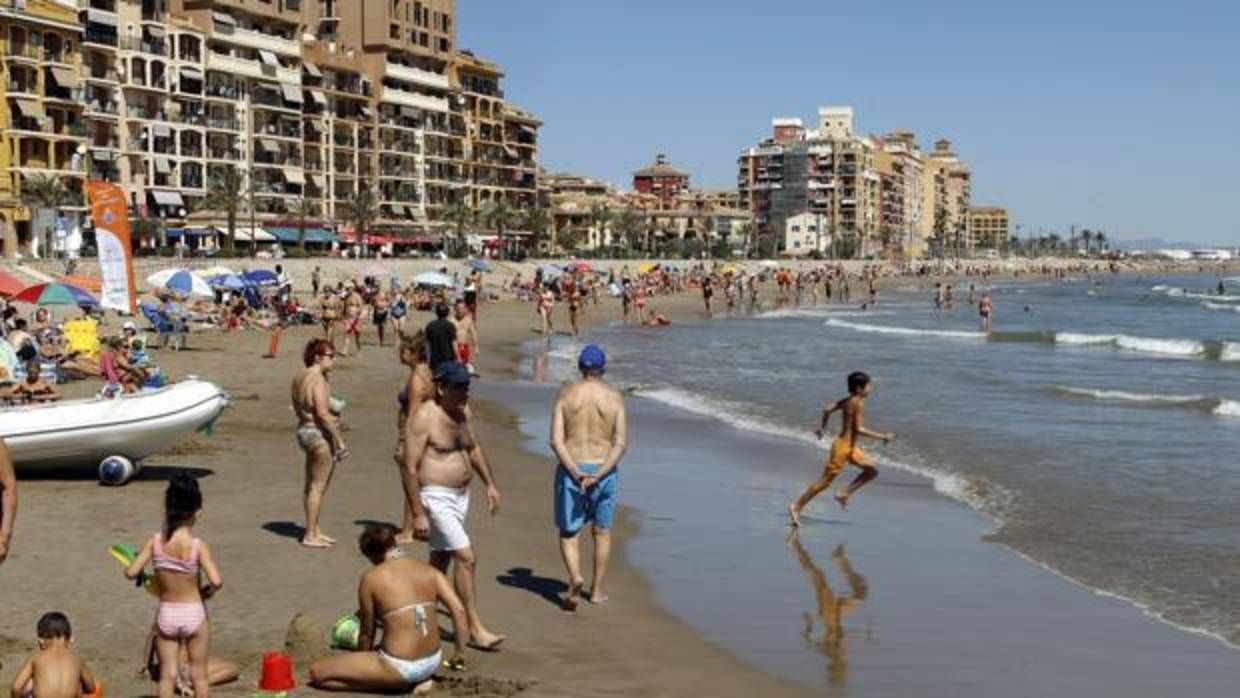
419 387
180 560
402 592
546 302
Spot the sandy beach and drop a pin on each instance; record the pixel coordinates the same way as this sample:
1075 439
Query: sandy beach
252 476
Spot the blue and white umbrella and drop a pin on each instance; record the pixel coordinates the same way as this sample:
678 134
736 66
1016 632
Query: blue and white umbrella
478 265
230 282
551 271
181 282
432 278
261 277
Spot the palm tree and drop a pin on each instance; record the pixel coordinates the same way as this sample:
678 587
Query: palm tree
460 215
361 211
498 214
303 207
537 221
627 224
600 216
44 192
228 193
1100 238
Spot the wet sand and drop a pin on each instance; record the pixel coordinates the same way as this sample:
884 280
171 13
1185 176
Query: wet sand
252 479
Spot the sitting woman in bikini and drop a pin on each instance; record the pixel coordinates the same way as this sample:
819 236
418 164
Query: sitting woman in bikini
402 593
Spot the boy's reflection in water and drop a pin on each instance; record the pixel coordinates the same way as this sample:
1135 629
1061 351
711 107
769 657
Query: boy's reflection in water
832 607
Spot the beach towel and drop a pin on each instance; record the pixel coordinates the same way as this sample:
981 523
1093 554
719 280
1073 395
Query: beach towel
83 337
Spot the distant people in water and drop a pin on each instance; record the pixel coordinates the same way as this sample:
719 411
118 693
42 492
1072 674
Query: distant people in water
844 450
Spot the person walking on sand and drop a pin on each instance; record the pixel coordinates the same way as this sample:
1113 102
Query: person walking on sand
180 561
318 433
589 435
330 308
440 337
419 387
353 304
844 450
466 335
379 314
441 450
8 500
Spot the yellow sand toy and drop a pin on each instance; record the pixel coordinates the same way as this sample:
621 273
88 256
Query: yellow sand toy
126 554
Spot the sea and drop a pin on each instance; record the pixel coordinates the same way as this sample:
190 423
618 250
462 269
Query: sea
1095 432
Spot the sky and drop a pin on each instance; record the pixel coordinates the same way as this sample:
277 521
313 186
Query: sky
1117 116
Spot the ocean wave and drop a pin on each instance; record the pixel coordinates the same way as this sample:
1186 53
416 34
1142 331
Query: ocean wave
1234 307
1180 292
1184 348
1230 351
848 311
1214 405
1228 408
978 494
906 331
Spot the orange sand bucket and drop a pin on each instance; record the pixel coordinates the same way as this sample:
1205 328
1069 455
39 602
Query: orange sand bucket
277 672
98 693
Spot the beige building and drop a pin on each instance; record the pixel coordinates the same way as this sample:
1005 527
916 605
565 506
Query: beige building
989 228
901 170
947 190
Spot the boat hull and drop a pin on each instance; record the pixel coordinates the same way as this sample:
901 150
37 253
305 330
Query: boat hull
81 433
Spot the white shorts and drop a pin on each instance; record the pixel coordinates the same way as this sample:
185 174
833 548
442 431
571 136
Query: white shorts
446 507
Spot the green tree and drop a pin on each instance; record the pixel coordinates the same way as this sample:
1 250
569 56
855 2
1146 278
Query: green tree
537 221
628 225
459 215
498 215
228 194
1100 238
600 216
361 211
47 193
303 208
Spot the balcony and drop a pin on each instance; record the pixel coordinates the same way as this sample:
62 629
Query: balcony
416 76
258 40
96 38
251 68
392 95
152 47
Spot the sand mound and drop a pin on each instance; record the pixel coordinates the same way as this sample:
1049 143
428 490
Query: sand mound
306 641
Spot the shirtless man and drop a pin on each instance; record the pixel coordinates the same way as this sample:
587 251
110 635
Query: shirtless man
466 335
844 449
589 434
329 313
440 451
318 433
8 500
353 320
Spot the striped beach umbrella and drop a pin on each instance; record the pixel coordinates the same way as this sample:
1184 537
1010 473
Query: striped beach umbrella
55 294
10 285
185 284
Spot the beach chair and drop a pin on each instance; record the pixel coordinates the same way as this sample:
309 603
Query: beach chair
167 328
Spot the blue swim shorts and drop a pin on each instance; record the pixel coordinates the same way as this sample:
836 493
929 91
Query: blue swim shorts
574 508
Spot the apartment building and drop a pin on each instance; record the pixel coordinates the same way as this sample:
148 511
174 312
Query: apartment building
41 120
828 171
661 180
946 191
901 171
988 228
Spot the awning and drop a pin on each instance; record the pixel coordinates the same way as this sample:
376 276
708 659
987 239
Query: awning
397 209
162 166
161 131
365 112
101 155
269 145
528 129
248 234
30 108
167 198
312 69
319 180
268 57
293 176
292 93
317 235
511 151
222 18
189 232
155 32
191 73
65 77
410 112
101 17
318 97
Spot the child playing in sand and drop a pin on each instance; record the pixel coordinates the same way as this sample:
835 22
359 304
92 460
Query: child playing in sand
180 560
55 671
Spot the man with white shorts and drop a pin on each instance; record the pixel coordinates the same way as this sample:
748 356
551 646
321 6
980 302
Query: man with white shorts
441 453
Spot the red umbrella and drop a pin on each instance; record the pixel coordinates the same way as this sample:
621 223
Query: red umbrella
10 285
580 267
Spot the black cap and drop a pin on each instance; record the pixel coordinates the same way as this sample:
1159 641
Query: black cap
452 373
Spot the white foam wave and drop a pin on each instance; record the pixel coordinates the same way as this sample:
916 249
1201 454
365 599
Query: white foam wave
905 331
1234 307
1144 345
982 496
817 313
1228 408
1125 396
1230 351
1178 292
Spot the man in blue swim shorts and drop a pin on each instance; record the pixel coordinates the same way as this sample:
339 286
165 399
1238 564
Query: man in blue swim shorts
589 433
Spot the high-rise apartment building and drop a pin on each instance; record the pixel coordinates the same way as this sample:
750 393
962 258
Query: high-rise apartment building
41 123
988 227
901 171
310 101
947 190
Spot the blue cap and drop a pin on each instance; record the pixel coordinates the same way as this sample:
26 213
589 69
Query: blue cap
592 358
452 373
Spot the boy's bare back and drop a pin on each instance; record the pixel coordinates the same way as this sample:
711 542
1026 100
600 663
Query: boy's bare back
57 672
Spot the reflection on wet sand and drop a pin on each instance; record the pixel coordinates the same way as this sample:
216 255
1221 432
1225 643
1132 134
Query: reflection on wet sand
540 360
831 607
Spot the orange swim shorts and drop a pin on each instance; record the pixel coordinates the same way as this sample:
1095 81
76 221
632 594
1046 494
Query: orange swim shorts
843 453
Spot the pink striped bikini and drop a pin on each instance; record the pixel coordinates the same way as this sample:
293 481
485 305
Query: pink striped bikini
177 621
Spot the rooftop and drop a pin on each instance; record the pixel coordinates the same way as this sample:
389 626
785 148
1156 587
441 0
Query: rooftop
660 168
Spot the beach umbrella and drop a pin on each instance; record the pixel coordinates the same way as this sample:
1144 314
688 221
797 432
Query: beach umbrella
478 265
645 268
10 285
55 294
91 283
261 277
550 271
185 284
580 268
231 282
160 277
432 278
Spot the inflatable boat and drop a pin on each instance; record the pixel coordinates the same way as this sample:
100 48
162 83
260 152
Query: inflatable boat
112 434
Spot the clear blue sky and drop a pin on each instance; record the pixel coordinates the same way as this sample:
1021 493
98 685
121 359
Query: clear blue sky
1115 115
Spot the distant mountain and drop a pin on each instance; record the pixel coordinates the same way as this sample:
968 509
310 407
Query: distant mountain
1146 244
